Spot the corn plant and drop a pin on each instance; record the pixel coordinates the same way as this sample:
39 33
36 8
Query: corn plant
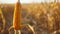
3 19
18 18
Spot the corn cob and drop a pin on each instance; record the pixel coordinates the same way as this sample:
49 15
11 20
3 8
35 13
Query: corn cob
17 17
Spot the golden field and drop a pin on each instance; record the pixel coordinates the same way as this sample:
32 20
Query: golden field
44 17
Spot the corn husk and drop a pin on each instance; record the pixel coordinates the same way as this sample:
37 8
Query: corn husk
17 17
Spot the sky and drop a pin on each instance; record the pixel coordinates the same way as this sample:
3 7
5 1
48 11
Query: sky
24 1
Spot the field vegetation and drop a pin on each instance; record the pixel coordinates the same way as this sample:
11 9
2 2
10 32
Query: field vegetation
43 17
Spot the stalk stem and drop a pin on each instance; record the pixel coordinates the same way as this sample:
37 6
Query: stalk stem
17 31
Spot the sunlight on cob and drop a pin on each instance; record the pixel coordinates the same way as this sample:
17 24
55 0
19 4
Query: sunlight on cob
17 19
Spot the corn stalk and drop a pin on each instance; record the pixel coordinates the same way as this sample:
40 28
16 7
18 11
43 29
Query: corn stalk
3 19
17 19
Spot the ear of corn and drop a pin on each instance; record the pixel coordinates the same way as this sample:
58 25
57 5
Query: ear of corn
17 17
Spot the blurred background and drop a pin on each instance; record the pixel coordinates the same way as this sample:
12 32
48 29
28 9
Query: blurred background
42 15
